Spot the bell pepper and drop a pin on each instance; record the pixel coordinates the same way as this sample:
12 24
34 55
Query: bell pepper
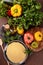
16 10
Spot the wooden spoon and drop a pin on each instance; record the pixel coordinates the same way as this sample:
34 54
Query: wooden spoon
1 43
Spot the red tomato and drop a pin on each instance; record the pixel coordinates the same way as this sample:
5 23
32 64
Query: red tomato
9 12
28 38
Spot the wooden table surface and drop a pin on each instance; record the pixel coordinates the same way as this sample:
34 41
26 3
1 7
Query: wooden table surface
34 59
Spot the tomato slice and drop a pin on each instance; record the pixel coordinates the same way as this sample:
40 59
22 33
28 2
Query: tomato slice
28 38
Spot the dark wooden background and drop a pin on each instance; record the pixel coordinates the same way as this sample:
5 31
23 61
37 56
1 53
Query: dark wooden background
34 59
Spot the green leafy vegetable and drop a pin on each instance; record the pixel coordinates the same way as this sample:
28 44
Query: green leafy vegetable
31 14
8 37
2 10
28 51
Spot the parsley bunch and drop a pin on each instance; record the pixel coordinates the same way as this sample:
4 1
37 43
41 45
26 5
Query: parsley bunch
31 14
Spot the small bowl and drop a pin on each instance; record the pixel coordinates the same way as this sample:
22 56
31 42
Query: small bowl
6 58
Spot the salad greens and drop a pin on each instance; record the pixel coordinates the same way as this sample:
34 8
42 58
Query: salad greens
31 14
8 37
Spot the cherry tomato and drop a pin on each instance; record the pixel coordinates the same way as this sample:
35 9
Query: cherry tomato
9 12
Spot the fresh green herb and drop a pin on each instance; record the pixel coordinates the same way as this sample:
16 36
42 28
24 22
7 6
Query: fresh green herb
8 33
31 14
8 37
2 10
28 51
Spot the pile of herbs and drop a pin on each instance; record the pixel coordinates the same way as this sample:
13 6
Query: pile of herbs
31 14
8 37
3 9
